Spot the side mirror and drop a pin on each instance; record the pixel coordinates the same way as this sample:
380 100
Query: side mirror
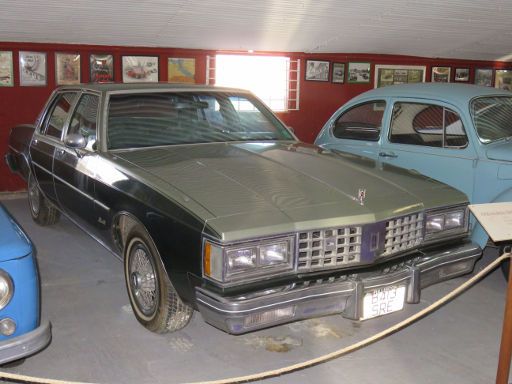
75 141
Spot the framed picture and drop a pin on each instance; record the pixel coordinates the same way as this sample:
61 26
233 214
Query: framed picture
6 69
398 74
67 68
181 70
483 76
441 74
140 69
32 69
338 73
503 79
317 70
101 68
461 74
359 72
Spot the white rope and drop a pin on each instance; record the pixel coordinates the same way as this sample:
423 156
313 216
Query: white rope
322 359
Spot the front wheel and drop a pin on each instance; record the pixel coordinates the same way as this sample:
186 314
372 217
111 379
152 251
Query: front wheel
154 300
42 212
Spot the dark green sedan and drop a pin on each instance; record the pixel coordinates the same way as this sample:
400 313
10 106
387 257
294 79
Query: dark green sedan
214 205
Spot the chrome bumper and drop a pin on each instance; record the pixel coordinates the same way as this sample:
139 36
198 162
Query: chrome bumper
257 310
25 345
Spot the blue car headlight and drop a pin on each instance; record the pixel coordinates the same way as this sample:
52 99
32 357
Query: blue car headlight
6 289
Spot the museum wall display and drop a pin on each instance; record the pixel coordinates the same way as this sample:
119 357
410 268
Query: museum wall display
29 72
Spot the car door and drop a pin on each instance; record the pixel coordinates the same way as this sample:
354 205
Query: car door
356 129
430 137
47 137
74 180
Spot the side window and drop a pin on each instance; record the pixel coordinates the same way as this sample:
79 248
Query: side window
56 119
427 125
83 120
363 122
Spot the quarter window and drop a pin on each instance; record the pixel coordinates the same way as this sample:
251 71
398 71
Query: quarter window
363 122
428 125
58 116
83 121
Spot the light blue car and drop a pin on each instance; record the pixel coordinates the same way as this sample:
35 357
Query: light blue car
459 134
21 331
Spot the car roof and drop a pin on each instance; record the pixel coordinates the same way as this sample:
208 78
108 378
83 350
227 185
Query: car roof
449 92
120 87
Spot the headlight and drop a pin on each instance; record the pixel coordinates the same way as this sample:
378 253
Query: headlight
446 222
249 260
6 288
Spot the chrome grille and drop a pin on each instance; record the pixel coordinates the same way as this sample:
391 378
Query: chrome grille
403 233
327 248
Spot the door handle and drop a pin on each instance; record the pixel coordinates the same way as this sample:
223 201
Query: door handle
388 154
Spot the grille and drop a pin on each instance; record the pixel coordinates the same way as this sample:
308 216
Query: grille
403 233
329 248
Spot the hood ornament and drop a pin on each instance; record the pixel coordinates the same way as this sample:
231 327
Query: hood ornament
361 195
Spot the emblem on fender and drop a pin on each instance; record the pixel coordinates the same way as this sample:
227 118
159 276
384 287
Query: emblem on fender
361 195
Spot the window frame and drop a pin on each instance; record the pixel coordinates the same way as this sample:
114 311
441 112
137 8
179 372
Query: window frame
344 112
43 129
94 146
429 104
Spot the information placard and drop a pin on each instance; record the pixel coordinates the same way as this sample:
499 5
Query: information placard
496 219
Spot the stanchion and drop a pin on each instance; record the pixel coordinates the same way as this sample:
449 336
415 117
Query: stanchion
506 337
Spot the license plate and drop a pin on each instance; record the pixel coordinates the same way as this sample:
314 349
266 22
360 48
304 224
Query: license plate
382 301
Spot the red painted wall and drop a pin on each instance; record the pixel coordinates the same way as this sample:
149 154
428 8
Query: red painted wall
318 100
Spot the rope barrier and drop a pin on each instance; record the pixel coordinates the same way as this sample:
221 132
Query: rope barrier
316 361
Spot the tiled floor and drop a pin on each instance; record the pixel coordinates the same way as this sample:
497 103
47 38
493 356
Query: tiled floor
97 339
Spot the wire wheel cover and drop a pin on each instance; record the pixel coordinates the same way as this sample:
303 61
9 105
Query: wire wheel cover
143 280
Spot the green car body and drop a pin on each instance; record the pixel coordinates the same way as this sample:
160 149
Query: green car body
235 217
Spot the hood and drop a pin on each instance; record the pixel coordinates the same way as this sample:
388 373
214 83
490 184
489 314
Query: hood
501 150
286 186
14 244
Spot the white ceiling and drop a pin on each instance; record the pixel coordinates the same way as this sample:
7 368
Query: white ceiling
465 29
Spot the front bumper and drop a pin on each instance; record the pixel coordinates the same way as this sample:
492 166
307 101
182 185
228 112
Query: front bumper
25 345
344 294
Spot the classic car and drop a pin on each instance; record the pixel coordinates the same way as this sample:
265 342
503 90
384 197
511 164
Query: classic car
21 331
459 134
214 205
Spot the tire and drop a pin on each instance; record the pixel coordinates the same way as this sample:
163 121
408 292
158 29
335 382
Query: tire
154 300
42 212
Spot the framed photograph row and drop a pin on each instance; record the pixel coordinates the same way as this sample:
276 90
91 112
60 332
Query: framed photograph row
33 69
319 70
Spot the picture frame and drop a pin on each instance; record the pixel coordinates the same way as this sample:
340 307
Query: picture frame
359 72
317 70
140 69
461 75
6 69
484 77
181 70
67 68
101 68
503 79
441 74
32 66
386 75
338 73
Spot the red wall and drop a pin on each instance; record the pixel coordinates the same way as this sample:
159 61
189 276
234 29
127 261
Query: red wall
318 100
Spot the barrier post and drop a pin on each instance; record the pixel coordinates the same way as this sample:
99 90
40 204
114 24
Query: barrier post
506 337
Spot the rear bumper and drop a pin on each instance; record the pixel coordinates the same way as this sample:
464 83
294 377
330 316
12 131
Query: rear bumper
343 295
25 345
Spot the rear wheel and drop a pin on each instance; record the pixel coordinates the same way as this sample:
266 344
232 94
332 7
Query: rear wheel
42 212
154 300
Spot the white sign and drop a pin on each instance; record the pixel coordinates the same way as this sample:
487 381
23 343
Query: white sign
496 218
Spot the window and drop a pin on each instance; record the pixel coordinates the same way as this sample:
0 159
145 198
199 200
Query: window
428 125
492 116
59 113
83 120
169 118
362 122
268 77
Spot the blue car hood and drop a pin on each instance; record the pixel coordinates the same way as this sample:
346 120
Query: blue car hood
14 244
501 150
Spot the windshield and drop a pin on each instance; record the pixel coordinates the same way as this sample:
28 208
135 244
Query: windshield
168 118
492 117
